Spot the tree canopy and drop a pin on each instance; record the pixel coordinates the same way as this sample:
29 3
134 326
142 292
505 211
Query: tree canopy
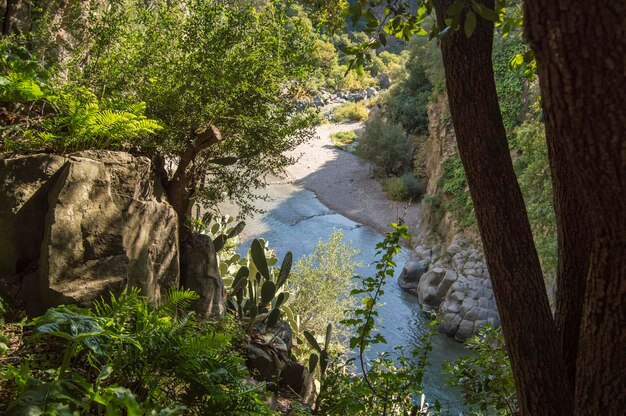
194 64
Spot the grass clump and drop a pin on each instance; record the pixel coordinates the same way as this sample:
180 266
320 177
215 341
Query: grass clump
350 112
343 139
403 188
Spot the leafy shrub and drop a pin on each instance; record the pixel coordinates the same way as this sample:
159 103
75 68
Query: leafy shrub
41 116
406 102
403 188
509 84
343 139
320 285
350 112
485 378
128 356
386 145
388 385
457 199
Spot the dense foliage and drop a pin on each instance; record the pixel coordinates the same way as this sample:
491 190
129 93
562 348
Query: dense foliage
389 384
127 356
320 285
533 171
407 100
403 188
350 112
386 145
39 115
194 64
485 378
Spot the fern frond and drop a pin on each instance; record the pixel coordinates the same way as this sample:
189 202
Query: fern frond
178 299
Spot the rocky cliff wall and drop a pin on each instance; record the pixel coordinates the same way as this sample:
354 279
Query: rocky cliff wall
447 271
73 228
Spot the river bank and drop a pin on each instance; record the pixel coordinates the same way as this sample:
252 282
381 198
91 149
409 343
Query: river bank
345 183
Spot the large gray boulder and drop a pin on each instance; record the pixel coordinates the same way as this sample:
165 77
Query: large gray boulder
24 184
98 222
469 305
433 287
457 286
411 273
269 352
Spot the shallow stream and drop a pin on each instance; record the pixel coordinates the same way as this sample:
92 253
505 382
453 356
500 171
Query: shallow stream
295 220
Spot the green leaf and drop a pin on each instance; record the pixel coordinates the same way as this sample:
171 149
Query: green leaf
285 269
313 360
237 229
257 253
312 341
59 397
323 361
219 242
273 317
485 12
455 8
358 67
224 161
329 329
268 291
282 298
470 23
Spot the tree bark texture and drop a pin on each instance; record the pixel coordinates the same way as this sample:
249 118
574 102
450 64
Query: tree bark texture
15 18
574 247
182 187
580 49
528 326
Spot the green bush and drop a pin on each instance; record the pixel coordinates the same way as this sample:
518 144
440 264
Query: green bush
485 378
386 145
403 188
39 115
407 101
350 112
533 173
320 284
127 357
509 84
390 384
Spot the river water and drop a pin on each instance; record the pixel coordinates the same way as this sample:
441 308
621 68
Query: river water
295 220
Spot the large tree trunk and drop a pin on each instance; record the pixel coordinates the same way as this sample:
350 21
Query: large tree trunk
529 330
580 48
574 247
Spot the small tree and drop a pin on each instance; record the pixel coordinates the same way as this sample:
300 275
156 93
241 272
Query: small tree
218 75
321 283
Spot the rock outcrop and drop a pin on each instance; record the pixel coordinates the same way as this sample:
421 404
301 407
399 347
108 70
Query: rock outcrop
268 357
456 284
457 287
74 228
411 273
